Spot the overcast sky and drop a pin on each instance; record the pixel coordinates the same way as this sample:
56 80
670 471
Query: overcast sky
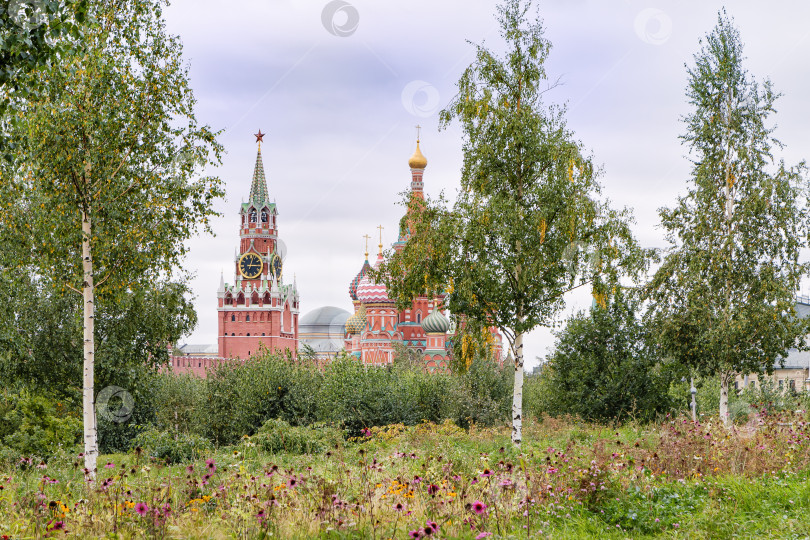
339 86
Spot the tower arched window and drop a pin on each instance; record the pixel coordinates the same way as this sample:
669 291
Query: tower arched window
419 317
247 318
233 318
248 334
264 216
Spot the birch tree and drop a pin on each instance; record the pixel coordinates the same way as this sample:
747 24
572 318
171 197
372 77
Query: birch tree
110 152
724 297
528 224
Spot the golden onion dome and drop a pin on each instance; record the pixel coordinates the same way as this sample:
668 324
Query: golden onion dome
418 160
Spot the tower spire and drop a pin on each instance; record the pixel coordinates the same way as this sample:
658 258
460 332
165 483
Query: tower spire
367 237
258 187
381 229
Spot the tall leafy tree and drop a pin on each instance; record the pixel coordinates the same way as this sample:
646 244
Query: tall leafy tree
723 300
110 159
528 225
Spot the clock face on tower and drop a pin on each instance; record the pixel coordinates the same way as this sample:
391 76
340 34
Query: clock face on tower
250 265
275 265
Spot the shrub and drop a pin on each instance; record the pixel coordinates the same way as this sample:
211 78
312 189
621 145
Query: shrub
172 447
605 369
179 397
240 398
37 425
277 436
144 389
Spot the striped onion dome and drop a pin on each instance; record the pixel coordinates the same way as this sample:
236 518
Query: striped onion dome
356 281
370 292
435 323
357 322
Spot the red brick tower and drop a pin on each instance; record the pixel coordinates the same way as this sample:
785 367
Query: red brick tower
259 308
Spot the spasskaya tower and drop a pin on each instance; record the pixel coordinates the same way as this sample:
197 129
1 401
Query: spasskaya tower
259 308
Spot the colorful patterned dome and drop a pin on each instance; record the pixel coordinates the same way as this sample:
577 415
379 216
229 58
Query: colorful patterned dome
356 281
357 322
435 323
370 292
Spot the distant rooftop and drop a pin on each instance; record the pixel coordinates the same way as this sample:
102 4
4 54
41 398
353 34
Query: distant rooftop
198 350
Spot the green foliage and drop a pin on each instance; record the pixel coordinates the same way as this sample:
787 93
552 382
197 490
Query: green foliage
605 368
240 398
172 447
41 328
113 135
277 436
236 400
481 396
37 425
34 34
179 398
40 348
723 299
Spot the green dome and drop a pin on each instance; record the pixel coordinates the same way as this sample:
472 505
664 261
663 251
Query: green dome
357 322
435 323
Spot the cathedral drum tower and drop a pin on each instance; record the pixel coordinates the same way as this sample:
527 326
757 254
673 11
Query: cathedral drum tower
259 309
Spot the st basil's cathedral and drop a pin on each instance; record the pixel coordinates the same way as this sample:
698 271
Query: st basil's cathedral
260 309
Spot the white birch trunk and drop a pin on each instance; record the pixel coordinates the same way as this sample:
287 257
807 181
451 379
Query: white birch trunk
724 383
517 396
88 397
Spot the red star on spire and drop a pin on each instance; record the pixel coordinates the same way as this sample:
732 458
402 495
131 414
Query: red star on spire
259 136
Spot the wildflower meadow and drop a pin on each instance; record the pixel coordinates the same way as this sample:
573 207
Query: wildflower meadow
570 479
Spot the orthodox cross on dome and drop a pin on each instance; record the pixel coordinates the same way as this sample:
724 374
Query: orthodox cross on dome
381 230
367 237
418 130
258 187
